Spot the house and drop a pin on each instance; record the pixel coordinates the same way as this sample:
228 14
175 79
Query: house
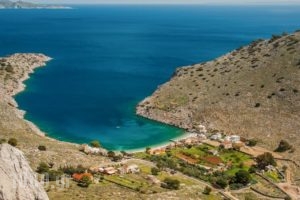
226 144
235 138
232 138
202 129
78 176
202 136
93 150
238 145
109 170
216 136
94 169
131 169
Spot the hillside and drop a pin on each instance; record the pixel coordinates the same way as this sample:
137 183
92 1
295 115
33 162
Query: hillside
6 4
252 91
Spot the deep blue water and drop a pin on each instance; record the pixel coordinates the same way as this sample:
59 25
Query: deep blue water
108 58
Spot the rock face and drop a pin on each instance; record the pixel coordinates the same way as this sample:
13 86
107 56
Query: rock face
18 181
253 91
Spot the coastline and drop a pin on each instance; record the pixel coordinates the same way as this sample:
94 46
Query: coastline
185 136
24 65
40 61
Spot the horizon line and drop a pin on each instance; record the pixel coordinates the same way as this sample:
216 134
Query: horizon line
197 4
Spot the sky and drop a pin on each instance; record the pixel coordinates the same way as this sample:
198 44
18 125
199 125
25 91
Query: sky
215 2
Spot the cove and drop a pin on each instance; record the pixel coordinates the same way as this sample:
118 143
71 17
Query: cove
108 58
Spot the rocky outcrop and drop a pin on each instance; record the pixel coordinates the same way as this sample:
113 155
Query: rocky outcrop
18 181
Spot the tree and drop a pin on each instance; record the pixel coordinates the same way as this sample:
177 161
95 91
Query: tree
221 182
242 176
13 142
154 171
251 142
252 169
85 181
283 146
207 190
42 168
264 160
170 183
95 143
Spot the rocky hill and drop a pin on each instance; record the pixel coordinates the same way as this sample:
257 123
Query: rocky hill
253 91
18 181
6 4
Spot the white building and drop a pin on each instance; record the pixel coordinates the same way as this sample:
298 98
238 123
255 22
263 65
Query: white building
216 136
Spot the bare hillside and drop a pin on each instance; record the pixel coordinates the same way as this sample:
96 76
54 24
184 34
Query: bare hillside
253 91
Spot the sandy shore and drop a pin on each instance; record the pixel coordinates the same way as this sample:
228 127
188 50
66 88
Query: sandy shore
164 144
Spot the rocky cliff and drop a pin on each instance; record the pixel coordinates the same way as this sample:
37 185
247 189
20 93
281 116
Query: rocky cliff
17 180
252 91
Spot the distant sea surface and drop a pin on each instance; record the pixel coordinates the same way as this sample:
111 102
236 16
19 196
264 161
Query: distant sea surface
108 58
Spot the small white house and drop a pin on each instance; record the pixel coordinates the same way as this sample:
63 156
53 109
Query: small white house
202 129
235 138
133 169
232 138
216 136
202 136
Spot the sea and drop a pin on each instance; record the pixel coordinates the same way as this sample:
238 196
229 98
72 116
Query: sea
107 58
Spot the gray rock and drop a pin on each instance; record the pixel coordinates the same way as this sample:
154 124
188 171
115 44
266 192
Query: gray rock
18 180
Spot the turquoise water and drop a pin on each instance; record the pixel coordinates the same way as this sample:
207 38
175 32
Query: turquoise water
108 58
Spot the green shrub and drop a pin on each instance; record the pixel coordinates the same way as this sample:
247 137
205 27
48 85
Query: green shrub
242 177
154 171
95 143
42 168
221 182
42 148
251 142
283 146
264 160
13 142
207 190
170 183
85 181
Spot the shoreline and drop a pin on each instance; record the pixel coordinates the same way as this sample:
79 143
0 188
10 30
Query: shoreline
34 61
26 63
185 135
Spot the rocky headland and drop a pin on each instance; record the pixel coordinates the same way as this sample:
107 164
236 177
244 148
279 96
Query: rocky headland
252 91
